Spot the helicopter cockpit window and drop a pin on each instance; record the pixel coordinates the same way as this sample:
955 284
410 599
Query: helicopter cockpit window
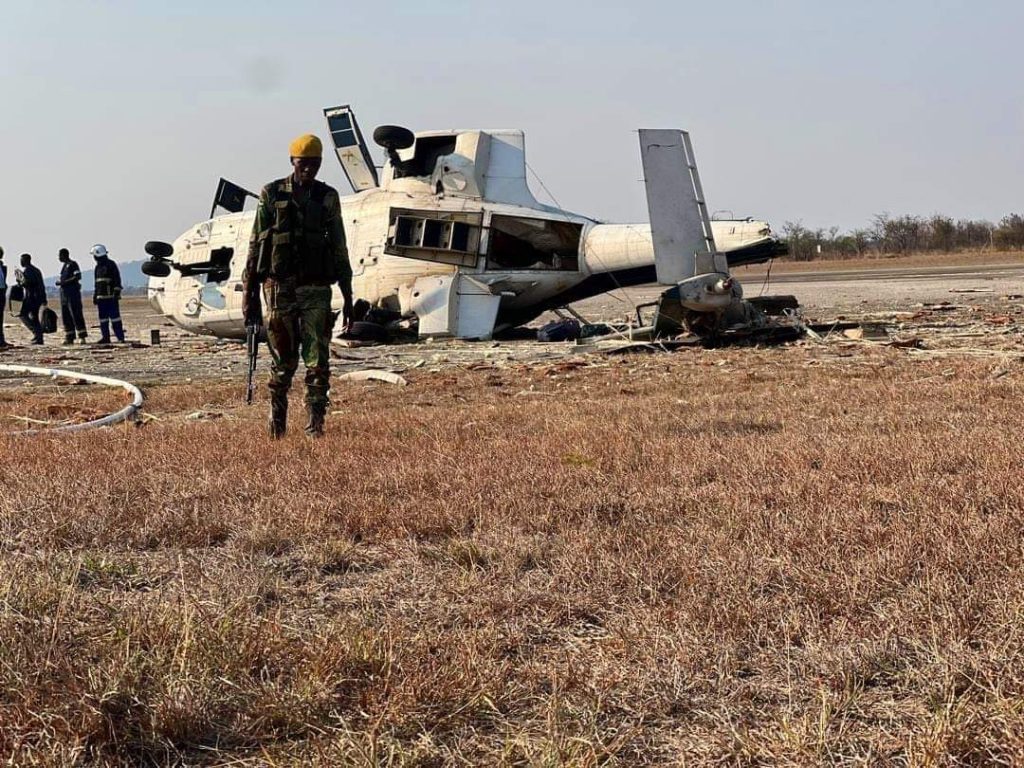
520 243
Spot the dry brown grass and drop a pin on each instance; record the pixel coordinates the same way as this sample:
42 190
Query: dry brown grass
887 261
739 557
31 402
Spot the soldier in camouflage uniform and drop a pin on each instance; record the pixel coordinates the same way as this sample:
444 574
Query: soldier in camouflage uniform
296 253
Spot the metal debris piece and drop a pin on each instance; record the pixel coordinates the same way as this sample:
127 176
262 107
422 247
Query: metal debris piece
204 415
374 375
908 343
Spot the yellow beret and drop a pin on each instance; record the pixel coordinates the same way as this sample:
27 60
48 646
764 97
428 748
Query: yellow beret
306 146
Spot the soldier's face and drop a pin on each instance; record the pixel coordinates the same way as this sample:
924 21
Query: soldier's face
306 168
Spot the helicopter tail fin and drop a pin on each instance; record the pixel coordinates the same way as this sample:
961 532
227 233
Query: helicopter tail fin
684 245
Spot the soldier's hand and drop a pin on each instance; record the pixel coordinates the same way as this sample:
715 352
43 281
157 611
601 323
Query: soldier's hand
251 310
346 315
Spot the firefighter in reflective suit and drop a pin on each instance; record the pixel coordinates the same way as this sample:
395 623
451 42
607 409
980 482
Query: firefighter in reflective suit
107 294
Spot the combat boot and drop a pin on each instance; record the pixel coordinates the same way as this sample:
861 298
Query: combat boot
317 412
278 415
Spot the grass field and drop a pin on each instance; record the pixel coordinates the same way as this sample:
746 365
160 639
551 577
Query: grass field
732 557
41 403
887 261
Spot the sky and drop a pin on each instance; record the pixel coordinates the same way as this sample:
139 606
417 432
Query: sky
118 118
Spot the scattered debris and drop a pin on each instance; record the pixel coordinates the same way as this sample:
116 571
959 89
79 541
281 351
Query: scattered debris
908 343
204 415
568 329
620 347
374 375
365 333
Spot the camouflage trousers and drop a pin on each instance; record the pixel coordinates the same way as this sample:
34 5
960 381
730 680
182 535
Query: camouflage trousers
299 318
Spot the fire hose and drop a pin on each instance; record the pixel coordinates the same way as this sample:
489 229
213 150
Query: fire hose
59 373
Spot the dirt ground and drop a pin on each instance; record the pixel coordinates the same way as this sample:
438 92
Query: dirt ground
902 294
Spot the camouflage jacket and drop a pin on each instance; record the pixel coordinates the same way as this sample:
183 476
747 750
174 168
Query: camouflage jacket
298 234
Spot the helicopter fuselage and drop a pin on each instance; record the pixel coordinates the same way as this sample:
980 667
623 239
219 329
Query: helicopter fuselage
452 235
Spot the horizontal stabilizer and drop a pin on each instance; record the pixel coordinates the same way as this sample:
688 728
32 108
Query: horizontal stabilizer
230 197
680 228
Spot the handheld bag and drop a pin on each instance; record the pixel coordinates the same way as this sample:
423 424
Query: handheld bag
48 319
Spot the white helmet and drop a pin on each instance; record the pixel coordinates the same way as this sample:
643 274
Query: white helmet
98 251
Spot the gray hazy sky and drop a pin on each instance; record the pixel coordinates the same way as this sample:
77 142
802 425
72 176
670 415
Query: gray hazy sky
117 118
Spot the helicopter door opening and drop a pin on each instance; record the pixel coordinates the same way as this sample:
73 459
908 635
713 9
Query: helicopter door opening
220 265
217 268
351 149
426 152
521 243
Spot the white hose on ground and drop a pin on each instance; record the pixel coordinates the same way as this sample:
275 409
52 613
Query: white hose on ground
59 373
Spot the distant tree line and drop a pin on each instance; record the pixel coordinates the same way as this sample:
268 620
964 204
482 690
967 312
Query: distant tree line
900 235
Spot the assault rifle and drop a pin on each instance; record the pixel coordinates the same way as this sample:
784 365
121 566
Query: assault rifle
254 311
252 348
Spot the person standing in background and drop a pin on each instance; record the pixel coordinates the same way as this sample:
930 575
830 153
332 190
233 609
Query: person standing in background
3 297
35 297
107 294
70 284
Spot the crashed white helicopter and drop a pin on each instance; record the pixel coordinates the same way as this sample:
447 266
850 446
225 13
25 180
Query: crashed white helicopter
450 233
